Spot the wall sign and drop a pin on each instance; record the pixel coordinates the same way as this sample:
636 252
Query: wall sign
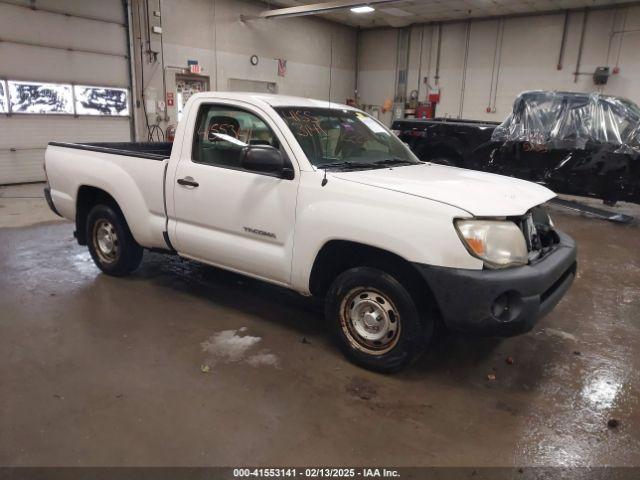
282 67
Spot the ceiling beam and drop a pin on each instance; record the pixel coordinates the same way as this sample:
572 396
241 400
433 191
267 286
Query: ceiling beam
313 9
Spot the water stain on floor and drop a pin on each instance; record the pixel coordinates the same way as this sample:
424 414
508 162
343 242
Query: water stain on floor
237 346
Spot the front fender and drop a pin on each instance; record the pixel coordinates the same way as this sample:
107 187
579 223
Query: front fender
414 228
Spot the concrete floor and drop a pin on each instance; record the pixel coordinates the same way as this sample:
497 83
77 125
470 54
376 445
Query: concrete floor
24 205
183 364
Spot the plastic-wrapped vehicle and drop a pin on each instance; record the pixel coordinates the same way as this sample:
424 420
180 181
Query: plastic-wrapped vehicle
575 143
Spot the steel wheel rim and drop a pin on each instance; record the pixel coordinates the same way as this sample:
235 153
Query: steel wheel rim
370 321
105 241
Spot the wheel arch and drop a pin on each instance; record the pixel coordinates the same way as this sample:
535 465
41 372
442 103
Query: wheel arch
337 256
89 196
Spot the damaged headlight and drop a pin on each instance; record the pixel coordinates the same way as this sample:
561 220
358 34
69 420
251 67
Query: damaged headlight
499 243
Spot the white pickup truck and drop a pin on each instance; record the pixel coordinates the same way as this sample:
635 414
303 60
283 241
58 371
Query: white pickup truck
325 200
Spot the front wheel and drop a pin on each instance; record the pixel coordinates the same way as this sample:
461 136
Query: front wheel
375 320
112 247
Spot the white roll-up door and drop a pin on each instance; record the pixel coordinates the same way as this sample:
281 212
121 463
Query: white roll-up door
53 53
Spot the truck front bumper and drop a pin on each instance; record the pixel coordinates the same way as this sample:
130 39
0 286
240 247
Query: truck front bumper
502 302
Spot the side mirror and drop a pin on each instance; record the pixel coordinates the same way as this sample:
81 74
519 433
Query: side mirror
265 159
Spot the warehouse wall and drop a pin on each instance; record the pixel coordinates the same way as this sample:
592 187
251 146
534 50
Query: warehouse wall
527 60
59 41
211 32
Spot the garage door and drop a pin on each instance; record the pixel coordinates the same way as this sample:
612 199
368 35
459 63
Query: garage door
64 76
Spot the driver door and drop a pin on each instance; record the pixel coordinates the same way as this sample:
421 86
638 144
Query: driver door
223 214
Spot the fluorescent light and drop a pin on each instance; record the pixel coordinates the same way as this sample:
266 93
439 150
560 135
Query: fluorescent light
362 9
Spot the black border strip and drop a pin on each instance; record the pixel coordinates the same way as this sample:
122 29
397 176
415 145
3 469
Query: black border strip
319 473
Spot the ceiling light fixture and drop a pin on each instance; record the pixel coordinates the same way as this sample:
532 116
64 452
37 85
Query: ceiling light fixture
363 9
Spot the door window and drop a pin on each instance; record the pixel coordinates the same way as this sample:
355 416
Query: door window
223 131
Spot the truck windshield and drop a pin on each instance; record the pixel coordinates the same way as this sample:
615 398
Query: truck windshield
341 138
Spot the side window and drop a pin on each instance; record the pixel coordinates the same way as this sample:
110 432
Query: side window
223 131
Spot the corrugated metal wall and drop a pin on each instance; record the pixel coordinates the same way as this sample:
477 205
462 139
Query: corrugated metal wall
79 42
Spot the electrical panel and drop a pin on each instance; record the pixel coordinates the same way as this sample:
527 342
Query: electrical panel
601 75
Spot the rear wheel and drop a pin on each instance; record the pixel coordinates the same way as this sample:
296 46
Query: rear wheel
112 247
375 320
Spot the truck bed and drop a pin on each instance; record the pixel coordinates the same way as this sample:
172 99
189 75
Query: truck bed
150 150
132 173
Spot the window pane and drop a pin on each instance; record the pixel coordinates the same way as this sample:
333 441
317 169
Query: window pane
101 101
224 131
4 107
35 97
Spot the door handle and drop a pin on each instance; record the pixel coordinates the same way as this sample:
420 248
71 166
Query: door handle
188 182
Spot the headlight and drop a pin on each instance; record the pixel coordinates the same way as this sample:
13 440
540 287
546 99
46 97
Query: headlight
499 243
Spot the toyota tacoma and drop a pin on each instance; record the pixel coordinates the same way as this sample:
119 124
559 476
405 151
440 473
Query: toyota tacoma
323 199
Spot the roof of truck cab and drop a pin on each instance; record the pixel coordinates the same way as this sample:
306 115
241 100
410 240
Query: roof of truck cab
276 100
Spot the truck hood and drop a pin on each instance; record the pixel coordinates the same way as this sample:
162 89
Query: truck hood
481 194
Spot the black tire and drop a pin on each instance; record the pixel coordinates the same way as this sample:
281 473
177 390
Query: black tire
108 224
349 294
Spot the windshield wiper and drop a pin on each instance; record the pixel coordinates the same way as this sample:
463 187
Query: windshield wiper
393 161
345 164
378 163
